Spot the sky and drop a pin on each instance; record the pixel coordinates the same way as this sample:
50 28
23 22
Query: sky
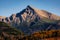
9 7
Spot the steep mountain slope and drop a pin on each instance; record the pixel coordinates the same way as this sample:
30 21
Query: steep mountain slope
43 13
9 33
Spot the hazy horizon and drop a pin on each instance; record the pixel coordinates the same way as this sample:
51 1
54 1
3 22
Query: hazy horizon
8 7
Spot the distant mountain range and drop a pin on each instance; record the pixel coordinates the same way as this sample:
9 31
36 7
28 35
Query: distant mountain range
31 19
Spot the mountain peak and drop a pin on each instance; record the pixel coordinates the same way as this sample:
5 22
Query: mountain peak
29 6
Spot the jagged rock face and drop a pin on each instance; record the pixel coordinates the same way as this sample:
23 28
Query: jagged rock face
14 21
27 15
12 17
30 14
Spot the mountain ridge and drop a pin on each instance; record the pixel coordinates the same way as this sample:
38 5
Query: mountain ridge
31 19
30 24
40 13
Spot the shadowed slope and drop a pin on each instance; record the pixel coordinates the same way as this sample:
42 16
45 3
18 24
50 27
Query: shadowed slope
9 33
